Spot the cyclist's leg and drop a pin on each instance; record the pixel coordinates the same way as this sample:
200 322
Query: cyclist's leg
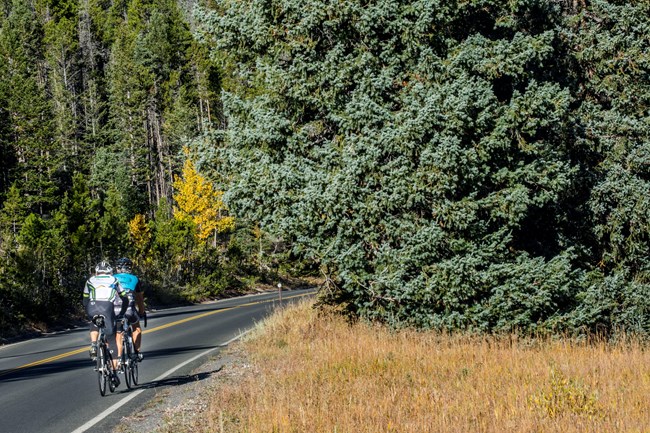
134 320
137 335
94 334
93 308
119 336
112 334
110 339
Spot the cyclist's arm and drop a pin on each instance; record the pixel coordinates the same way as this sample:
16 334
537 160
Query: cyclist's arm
126 298
139 302
86 296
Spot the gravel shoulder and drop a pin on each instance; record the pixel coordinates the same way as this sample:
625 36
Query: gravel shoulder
179 406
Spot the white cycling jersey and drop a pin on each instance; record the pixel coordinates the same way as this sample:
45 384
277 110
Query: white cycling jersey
105 288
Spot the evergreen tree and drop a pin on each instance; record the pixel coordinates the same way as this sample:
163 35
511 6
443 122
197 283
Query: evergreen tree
6 150
62 56
28 110
150 101
93 55
421 151
79 213
611 41
113 225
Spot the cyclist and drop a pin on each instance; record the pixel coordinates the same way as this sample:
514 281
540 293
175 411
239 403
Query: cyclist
129 281
104 295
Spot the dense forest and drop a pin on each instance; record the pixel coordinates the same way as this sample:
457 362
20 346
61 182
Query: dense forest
101 104
452 164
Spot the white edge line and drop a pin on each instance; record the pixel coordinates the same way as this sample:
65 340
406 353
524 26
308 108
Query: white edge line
134 394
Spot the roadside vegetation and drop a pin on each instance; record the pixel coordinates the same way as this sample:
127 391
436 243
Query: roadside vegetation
479 166
311 371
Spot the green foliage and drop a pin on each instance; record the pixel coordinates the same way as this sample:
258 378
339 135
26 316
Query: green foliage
477 164
97 98
27 108
78 215
442 160
39 257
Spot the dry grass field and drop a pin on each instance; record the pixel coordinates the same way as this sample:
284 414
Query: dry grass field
313 372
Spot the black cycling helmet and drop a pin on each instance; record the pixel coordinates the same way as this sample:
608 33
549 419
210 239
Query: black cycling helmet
124 264
103 267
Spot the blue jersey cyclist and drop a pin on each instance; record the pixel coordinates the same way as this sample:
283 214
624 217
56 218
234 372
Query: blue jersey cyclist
103 295
131 283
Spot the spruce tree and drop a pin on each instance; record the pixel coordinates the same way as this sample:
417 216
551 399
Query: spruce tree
611 42
421 151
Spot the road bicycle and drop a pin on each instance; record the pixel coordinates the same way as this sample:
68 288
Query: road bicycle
104 361
129 360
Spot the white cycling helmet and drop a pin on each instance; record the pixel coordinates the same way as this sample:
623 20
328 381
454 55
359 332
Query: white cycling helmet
103 267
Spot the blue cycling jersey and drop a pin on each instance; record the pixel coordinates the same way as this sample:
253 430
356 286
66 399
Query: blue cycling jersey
128 281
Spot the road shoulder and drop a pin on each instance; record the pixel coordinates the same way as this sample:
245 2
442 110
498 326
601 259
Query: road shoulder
179 405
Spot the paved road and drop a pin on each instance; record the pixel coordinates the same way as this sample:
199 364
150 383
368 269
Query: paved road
48 384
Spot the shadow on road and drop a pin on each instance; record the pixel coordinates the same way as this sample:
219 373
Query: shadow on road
41 352
179 380
163 313
36 371
82 362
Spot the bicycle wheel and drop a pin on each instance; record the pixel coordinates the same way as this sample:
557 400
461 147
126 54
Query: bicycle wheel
133 369
101 369
109 371
126 362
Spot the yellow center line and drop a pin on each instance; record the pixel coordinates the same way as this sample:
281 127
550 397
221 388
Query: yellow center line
46 360
158 328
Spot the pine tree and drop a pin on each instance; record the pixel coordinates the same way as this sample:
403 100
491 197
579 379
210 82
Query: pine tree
28 110
6 151
62 57
79 213
93 54
150 100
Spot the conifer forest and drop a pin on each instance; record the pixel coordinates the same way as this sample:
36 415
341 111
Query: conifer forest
472 165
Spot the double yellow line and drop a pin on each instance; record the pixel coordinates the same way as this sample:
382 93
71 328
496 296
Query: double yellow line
168 325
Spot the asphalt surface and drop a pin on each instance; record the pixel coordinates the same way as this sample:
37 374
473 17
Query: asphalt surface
47 384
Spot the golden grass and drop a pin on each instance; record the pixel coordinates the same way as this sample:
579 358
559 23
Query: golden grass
313 372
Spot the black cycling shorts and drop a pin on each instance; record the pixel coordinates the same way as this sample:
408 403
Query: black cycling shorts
106 309
131 314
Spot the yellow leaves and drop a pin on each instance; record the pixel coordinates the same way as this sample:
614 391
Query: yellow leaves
566 395
198 202
139 232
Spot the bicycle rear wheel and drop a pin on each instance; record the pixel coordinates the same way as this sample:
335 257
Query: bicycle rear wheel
126 362
133 369
110 371
101 369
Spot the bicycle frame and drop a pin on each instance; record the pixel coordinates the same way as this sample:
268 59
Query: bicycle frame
104 364
129 364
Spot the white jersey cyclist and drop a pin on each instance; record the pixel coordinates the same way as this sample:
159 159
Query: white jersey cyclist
104 295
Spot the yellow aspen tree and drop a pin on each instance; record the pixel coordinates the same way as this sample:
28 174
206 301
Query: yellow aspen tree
197 201
139 233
